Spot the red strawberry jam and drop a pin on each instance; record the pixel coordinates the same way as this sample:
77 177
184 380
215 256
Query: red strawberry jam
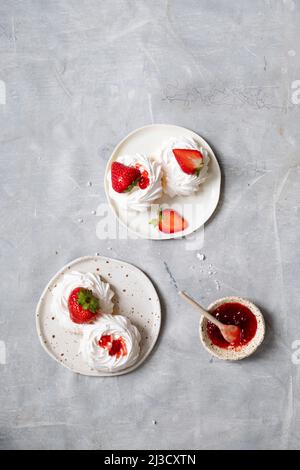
115 347
144 180
233 313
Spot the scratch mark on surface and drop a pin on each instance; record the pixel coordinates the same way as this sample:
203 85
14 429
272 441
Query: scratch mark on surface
2 353
11 139
233 289
288 98
13 32
150 107
172 278
168 10
276 198
252 96
242 195
256 180
250 52
127 31
61 83
4 32
151 58
282 185
255 87
40 425
287 420
187 51
74 181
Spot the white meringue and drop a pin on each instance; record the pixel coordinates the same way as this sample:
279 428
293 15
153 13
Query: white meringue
176 182
139 199
117 327
67 284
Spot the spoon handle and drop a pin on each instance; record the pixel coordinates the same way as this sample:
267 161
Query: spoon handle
203 312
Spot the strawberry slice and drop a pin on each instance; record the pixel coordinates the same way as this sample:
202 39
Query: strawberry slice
83 305
124 178
189 160
170 221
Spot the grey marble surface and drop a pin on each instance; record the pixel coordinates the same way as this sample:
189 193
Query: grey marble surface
81 74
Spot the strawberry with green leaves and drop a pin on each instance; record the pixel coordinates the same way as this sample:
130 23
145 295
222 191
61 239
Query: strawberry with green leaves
169 221
83 305
124 178
191 161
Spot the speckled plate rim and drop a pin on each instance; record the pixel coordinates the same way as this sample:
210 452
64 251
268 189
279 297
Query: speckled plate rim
164 236
246 351
52 281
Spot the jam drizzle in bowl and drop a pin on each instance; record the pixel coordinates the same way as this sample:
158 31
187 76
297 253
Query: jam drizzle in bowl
232 353
233 313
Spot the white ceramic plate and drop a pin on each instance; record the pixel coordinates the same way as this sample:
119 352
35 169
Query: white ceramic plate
135 297
197 208
231 354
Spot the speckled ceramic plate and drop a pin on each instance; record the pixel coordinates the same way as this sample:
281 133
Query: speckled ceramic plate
231 354
135 297
197 208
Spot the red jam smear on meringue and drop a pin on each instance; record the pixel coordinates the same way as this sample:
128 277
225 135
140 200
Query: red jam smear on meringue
233 313
115 347
144 180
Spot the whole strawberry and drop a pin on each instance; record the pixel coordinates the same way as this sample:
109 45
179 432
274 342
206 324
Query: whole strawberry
83 305
124 178
169 221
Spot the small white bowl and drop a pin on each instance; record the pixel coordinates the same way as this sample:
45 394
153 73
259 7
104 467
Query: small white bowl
232 354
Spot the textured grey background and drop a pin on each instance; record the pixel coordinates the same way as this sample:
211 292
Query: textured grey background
81 74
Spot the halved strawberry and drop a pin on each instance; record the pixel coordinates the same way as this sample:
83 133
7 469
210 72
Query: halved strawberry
83 305
124 178
170 221
190 161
